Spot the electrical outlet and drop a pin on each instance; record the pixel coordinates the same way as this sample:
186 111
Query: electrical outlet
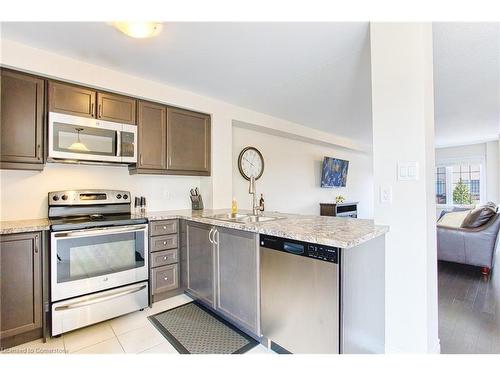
386 194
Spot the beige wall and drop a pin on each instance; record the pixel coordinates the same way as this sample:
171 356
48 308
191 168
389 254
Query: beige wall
292 174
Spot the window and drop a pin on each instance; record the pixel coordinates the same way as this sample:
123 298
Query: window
469 176
441 185
458 184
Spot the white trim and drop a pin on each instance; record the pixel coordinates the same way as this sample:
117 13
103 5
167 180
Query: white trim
474 142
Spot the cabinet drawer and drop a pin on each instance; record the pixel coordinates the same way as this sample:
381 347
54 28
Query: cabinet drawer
165 278
163 242
162 258
159 228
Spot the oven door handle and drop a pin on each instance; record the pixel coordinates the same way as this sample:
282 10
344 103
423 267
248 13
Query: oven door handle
104 231
92 301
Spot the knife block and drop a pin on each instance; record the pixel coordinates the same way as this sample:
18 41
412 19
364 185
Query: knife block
196 202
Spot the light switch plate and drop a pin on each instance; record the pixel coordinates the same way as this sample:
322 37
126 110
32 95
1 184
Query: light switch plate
408 171
385 194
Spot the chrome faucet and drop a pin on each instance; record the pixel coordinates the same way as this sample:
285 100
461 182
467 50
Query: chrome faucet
252 190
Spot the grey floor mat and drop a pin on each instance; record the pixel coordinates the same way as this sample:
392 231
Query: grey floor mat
193 329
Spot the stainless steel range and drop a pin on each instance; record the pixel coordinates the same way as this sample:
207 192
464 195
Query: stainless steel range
98 256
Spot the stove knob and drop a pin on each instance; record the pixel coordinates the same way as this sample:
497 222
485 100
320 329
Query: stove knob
55 198
64 197
118 196
125 196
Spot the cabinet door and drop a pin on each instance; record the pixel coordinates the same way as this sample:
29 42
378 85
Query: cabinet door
72 100
20 284
237 277
116 108
188 142
200 262
152 130
22 118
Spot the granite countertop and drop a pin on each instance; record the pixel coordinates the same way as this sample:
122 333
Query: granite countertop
20 226
325 230
331 231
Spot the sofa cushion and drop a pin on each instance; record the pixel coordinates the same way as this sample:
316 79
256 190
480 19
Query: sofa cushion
478 217
453 219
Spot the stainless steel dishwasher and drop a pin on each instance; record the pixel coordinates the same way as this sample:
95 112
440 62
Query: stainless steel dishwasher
299 295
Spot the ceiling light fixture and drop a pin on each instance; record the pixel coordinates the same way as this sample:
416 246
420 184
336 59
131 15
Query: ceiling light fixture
78 146
139 29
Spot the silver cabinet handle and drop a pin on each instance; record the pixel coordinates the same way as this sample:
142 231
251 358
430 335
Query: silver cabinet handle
210 235
100 110
92 110
165 258
92 301
165 278
216 233
36 244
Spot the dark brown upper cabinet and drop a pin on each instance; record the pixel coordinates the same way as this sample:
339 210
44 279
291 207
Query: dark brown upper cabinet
152 134
20 288
22 121
85 102
72 100
116 108
188 142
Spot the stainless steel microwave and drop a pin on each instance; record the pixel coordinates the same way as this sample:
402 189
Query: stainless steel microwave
73 138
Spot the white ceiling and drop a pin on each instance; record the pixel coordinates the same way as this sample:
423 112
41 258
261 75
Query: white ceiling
466 82
314 74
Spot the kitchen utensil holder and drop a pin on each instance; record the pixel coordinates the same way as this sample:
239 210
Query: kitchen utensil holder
196 202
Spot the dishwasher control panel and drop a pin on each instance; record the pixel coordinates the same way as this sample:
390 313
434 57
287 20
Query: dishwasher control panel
306 249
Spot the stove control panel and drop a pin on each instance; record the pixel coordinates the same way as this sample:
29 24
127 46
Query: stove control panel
88 197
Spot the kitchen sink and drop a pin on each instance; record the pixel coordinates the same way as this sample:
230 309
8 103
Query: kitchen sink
242 218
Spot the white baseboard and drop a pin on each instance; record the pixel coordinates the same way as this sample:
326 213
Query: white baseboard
434 350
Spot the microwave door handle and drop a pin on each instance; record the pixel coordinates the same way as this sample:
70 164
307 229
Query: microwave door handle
118 143
87 233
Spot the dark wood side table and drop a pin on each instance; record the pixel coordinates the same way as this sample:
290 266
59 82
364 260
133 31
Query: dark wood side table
347 209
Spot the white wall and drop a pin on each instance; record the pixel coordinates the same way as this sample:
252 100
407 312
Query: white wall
493 172
403 130
444 154
216 189
24 193
292 174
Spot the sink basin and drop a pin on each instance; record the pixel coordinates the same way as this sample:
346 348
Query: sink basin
242 218
226 217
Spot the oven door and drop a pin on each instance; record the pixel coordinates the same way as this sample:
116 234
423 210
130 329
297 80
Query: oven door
87 261
80 138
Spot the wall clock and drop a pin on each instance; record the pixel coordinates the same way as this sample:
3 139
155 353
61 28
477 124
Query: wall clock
251 163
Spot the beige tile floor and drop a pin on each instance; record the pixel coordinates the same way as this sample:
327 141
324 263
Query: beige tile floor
131 333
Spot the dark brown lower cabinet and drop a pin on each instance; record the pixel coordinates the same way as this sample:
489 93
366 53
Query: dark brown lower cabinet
164 259
20 288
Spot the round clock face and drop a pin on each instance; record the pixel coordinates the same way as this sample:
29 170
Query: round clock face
251 163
